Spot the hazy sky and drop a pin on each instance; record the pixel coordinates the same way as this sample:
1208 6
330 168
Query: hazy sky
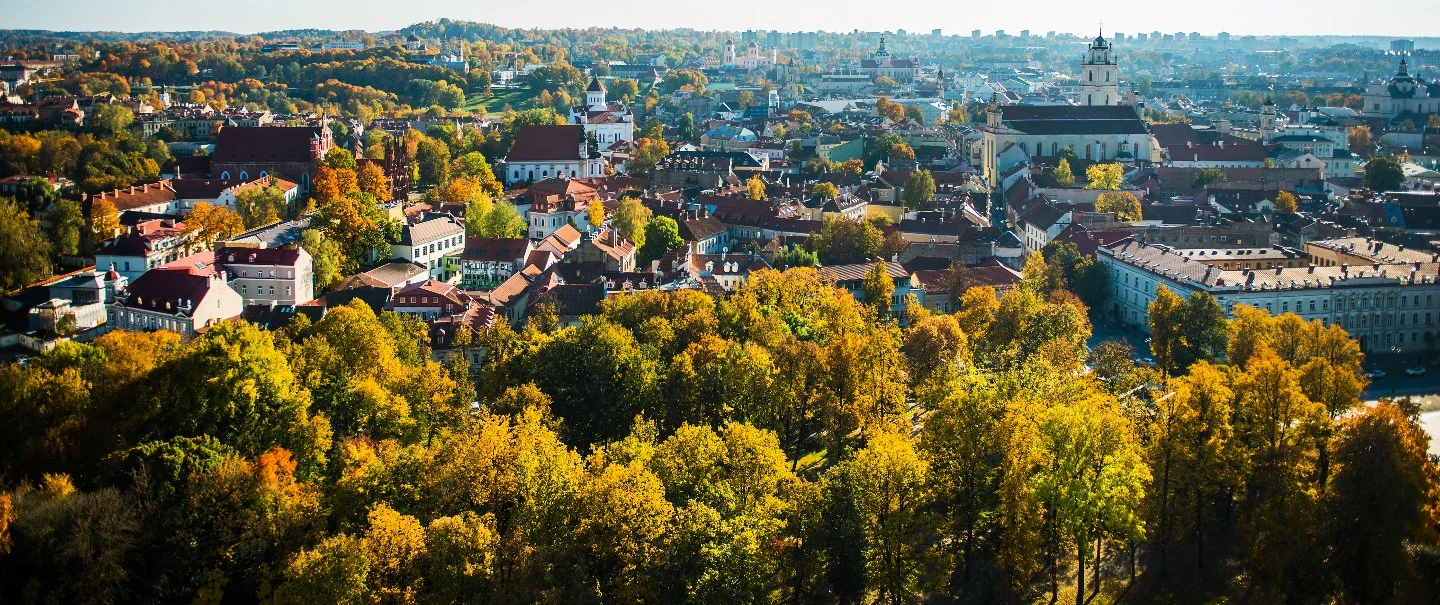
1373 17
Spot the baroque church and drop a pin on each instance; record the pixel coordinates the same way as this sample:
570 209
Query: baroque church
1403 97
1103 127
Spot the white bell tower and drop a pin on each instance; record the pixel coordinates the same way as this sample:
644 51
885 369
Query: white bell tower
1099 75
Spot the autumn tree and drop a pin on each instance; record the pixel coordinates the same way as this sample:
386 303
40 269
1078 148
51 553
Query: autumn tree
260 205
647 154
1063 174
1104 176
209 223
1384 496
755 188
595 214
1123 203
891 493
825 190
371 179
1285 202
879 288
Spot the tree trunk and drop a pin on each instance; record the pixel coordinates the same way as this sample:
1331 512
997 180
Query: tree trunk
1098 544
1080 575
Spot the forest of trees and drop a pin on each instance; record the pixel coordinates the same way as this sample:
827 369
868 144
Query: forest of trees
782 444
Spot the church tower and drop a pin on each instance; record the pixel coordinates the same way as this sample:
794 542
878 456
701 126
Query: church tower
595 94
729 58
1268 121
1099 75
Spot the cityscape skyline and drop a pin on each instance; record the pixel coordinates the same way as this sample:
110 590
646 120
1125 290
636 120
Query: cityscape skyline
841 16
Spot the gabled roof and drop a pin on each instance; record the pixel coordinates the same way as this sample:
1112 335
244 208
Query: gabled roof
548 143
857 271
168 291
264 144
431 229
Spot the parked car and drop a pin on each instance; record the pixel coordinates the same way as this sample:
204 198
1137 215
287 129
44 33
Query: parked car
1415 371
1375 373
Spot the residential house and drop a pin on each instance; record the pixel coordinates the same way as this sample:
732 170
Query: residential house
266 276
851 278
429 242
186 300
489 261
152 243
430 300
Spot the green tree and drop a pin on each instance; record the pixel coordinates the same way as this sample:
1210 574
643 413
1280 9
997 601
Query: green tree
432 158
335 571
843 241
24 248
66 225
339 158
919 189
1184 331
503 220
1384 174
631 219
261 204
1205 176
662 234
325 257
111 119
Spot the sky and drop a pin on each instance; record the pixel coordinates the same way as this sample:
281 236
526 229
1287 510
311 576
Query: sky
1256 17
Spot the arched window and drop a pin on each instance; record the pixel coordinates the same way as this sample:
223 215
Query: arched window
244 176
1089 99
1107 76
1090 74
225 176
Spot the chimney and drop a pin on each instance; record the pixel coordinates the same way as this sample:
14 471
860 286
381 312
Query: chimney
614 237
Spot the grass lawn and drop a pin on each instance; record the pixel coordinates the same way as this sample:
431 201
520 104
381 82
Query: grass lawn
516 98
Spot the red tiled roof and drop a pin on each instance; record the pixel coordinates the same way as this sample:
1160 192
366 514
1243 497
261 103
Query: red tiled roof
264 144
545 143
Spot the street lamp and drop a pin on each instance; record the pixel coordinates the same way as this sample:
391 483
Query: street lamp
1394 350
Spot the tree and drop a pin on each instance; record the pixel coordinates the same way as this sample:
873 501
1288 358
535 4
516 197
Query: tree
755 188
339 158
503 221
879 288
104 220
662 234
1384 174
24 249
825 190
1383 497
371 179
432 158
1063 175
111 119
335 571
1104 176
631 219
1123 203
901 152
795 256
1184 331
1091 477
474 164
1285 202
647 153
66 225
325 256
841 241
260 204
886 83
890 110
919 189
685 129
1205 176
595 214
1360 137
210 223
891 491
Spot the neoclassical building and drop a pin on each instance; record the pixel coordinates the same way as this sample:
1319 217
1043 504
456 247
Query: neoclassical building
1403 96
